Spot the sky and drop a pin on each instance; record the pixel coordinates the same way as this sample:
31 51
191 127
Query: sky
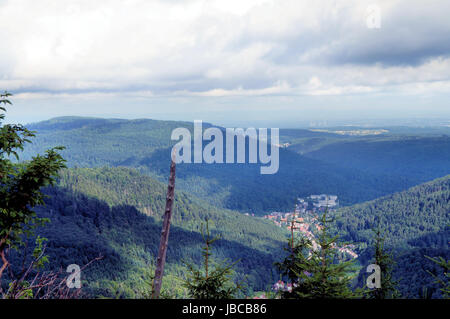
283 62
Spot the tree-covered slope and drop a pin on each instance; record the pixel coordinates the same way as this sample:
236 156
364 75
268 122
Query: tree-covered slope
416 223
406 215
418 158
146 145
116 212
96 142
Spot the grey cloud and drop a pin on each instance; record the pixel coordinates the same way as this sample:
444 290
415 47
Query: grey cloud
411 34
208 52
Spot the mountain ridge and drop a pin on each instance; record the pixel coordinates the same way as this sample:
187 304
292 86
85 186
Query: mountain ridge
146 144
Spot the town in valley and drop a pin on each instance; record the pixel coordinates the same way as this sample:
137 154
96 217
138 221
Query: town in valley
304 219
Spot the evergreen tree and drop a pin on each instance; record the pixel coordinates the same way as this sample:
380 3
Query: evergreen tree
295 263
215 284
328 276
385 261
295 266
444 283
20 185
318 272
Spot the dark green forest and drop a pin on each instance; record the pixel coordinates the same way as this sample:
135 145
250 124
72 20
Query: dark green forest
116 213
109 203
92 142
419 158
416 224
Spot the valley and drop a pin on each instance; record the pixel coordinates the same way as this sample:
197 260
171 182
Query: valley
110 201
334 169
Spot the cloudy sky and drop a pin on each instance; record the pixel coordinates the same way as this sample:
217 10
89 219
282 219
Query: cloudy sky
226 60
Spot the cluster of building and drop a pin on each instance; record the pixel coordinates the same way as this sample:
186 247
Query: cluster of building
323 201
304 219
282 286
306 211
360 132
349 250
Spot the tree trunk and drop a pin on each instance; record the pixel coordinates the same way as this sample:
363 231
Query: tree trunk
159 272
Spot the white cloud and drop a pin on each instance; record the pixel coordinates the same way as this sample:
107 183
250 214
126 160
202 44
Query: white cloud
223 48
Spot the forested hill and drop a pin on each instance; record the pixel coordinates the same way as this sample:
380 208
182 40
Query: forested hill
416 224
116 212
406 216
419 158
145 145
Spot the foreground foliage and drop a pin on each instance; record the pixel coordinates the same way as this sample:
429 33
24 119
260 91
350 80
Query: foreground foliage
211 284
318 272
20 192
